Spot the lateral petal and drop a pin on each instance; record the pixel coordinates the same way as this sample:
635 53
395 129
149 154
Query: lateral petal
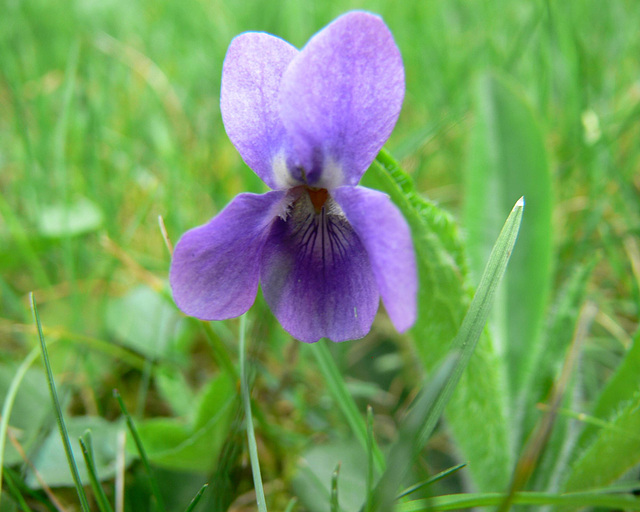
215 267
386 236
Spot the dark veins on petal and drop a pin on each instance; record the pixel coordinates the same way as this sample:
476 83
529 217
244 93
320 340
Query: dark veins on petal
318 230
315 271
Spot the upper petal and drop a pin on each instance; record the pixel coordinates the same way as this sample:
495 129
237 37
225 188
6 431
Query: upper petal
215 268
251 75
316 276
341 97
387 238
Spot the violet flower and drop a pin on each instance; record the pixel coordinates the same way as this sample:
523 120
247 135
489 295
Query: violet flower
309 122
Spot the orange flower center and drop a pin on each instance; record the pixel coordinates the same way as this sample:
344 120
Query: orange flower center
318 197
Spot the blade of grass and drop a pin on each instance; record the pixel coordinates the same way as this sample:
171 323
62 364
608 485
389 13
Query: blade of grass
120 470
58 410
430 404
141 451
554 347
476 317
345 401
370 441
540 436
251 436
335 507
410 438
323 493
471 500
442 266
508 160
15 492
87 452
435 478
291 504
196 498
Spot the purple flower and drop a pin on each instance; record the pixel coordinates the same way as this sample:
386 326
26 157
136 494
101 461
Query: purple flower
309 122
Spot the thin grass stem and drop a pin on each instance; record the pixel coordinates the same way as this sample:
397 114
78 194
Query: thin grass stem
473 500
141 451
335 500
292 503
87 452
120 470
370 441
251 437
345 401
429 481
196 498
15 492
58 411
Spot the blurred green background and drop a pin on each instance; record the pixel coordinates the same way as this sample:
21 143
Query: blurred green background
109 118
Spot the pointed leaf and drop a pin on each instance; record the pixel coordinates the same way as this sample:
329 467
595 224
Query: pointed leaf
508 160
443 299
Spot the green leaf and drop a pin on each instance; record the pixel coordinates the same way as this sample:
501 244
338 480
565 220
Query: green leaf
174 388
443 299
30 409
146 322
614 450
618 392
442 293
218 395
51 461
507 161
176 444
312 483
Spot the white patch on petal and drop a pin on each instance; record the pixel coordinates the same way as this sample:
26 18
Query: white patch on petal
332 175
281 175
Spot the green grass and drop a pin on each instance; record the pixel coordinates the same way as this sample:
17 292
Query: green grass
109 117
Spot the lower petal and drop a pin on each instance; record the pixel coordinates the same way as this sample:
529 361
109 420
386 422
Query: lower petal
215 268
387 238
316 277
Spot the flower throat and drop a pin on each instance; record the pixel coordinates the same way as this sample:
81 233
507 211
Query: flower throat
318 197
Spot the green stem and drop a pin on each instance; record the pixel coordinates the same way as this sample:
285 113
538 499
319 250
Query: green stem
345 401
196 498
251 437
143 455
87 452
58 411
